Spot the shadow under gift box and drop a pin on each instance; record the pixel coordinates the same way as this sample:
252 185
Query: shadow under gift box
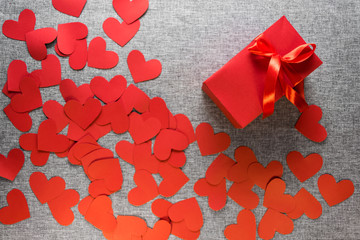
237 88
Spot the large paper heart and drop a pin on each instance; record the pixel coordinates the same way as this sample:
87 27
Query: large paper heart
210 143
100 214
60 206
108 91
142 70
30 97
143 130
17 70
18 29
146 189
304 168
50 74
17 209
22 121
11 165
36 42
83 115
308 124
168 140
46 190
173 180
305 203
275 198
121 33
218 169
48 140
244 157
160 231
69 7
69 34
242 194
272 222
244 229
55 111
98 57
216 193
130 11
70 91
334 192
187 210
261 176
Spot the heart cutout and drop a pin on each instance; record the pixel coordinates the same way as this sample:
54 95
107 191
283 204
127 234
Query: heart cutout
17 209
245 226
173 180
69 7
18 29
143 130
114 113
216 193
98 57
334 192
128 227
143 159
158 110
125 151
262 176
50 74
121 33
130 11
142 70
184 125
68 35
11 165
48 140
22 121
218 169
244 156
242 194
160 231
272 222
36 41
305 203
146 189
275 198
46 190
210 143
308 125
55 111
70 91
168 140
160 208
108 91
100 214
17 70
304 168
133 97
78 59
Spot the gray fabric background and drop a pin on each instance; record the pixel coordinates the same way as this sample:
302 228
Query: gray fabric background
193 39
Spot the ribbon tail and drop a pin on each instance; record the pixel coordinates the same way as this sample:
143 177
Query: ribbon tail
270 85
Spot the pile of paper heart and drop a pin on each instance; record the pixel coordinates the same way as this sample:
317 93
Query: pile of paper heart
160 140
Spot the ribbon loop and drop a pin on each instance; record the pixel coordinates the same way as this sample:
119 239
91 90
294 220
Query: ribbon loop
297 55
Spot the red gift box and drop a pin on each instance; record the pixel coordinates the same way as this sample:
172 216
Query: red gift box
273 65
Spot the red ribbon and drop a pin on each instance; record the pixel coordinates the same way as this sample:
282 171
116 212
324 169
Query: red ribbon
297 55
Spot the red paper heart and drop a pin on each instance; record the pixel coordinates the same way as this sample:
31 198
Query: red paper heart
30 97
70 91
245 227
108 91
78 59
262 176
210 143
68 34
158 110
173 180
216 193
128 227
143 158
69 7
244 157
11 166
168 140
98 188
17 70
46 190
180 230
60 206
187 210
98 57
83 115
304 168
50 74
133 97
121 33
22 121
218 169
114 113
84 205
130 11
184 125
177 159
100 214
48 140
242 194
95 155
160 208
18 29
55 111
272 222
306 203
275 198
160 231
143 130
6 92
146 189
125 151
28 142
36 40
334 192
308 124
17 209
142 70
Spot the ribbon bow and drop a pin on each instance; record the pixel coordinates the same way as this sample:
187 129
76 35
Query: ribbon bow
297 55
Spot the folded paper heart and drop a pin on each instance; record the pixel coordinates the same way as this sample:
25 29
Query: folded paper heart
78 59
18 29
69 7
134 98
17 209
121 33
245 228
11 165
28 142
